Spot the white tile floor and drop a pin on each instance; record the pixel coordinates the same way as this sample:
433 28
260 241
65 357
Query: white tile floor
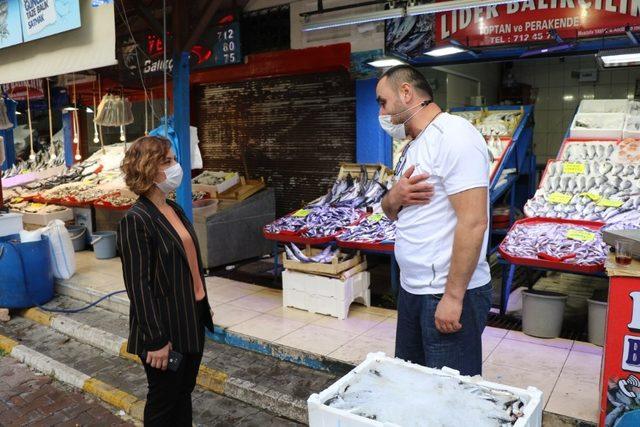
566 371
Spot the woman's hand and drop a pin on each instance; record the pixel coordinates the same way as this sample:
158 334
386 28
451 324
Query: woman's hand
159 359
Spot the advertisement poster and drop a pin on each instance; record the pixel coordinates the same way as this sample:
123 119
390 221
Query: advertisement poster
10 28
410 36
530 21
620 400
43 18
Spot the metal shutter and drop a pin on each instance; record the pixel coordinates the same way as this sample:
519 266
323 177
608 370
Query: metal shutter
295 131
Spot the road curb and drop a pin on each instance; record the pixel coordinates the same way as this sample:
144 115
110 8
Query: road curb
208 378
63 373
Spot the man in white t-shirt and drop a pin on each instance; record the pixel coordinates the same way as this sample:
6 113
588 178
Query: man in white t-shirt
440 200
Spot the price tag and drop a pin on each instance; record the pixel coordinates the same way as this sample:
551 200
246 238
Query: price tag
610 203
583 236
560 198
593 196
301 213
573 168
375 218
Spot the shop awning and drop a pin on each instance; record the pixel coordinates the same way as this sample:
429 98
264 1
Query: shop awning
93 45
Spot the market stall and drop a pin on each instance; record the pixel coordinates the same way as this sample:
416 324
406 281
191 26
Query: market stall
592 186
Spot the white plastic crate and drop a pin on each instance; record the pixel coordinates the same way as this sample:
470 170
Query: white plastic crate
10 223
321 415
604 106
608 126
325 295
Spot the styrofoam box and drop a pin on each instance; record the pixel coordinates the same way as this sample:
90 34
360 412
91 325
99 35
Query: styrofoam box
43 219
10 223
629 128
321 415
613 130
604 106
229 183
324 295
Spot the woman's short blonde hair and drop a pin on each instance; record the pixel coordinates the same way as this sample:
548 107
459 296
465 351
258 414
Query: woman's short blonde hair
141 162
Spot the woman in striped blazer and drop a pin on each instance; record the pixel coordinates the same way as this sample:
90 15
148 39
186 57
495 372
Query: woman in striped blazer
164 279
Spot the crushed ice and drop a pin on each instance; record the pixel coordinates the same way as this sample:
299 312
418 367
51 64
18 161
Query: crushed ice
406 397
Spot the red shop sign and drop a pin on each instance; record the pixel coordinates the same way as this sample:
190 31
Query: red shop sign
620 398
530 21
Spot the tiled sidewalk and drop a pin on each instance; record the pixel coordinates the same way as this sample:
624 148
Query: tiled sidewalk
566 371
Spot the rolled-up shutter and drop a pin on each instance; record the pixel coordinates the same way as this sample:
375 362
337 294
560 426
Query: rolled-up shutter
294 131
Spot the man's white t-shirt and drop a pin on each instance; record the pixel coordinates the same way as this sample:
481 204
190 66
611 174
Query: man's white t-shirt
455 155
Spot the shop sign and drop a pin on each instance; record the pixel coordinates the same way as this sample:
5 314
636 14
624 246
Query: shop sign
530 21
18 90
620 400
27 20
220 45
10 23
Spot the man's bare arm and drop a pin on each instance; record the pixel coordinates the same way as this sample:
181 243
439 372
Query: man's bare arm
471 211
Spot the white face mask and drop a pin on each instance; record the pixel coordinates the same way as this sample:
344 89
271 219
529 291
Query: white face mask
173 179
398 131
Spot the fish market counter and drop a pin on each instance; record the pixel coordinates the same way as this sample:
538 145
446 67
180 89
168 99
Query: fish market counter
620 380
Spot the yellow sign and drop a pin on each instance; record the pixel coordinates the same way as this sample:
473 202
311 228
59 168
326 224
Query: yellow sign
593 196
582 235
375 218
610 203
301 213
573 168
560 198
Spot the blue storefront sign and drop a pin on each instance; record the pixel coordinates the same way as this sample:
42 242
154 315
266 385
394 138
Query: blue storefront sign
43 18
10 23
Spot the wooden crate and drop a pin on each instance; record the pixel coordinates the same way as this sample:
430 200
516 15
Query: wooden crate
355 170
334 269
244 190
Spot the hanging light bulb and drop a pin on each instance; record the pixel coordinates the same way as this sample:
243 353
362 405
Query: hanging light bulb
96 137
123 137
32 156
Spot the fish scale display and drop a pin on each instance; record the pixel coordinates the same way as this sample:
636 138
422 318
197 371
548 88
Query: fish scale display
569 243
376 228
592 181
342 206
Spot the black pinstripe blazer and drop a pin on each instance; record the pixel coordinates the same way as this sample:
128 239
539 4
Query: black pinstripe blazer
158 281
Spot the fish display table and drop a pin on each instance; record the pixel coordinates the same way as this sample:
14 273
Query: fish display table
509 134
620 380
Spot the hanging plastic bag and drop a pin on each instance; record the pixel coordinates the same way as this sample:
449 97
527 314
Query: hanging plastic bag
63 257
196 157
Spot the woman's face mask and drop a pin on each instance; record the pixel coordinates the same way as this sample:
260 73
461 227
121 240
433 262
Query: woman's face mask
398 130
173 179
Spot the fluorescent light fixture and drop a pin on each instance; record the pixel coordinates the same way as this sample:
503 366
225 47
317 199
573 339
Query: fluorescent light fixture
361 18
70 108
549 49
89 110
619 57
386 63
444 51
568 98
447 6
18 113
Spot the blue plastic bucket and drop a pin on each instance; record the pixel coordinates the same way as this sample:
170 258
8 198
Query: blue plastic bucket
26 278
